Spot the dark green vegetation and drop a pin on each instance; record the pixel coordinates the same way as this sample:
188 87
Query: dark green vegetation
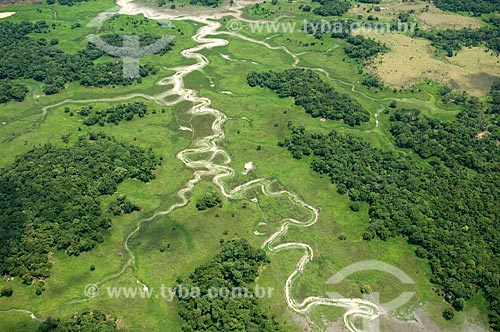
89 321
65 2
358 47
363 49
476 7
332 7
448 95
11 91
208 201
318 98
122 205
447 206
372 81
144 39
237 265
448 313
430 138
208 3
27 57
495 98
50 199
7 291
111 115
452 41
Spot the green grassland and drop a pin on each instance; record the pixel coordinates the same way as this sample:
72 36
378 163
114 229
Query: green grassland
173 245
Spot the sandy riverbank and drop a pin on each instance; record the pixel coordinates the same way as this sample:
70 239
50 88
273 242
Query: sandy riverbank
6 14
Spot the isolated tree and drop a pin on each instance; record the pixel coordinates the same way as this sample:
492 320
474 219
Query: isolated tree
448 313
7 291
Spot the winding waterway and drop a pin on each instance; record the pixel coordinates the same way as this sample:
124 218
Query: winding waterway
220 172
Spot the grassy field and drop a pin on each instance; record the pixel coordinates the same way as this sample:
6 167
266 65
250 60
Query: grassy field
425 13
412 60
173 245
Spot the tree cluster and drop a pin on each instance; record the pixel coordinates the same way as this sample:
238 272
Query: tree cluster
209 3
448 95
358 47
363 49
452 41
50 199
11 91
372 81
112 115
236 265
208 201
144 40
447 207
88 321
332 7
477 7
318 98
122 205
6 291
495 97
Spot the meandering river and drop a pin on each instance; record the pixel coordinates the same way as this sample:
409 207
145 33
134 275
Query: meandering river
219 171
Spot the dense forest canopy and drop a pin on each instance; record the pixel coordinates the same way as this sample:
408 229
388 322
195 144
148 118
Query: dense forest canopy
432 138
495 97
50 199
236 265
11 91
25 57
332 7
318 98
476 7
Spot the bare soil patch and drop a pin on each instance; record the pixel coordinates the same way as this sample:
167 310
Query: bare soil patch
6 14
